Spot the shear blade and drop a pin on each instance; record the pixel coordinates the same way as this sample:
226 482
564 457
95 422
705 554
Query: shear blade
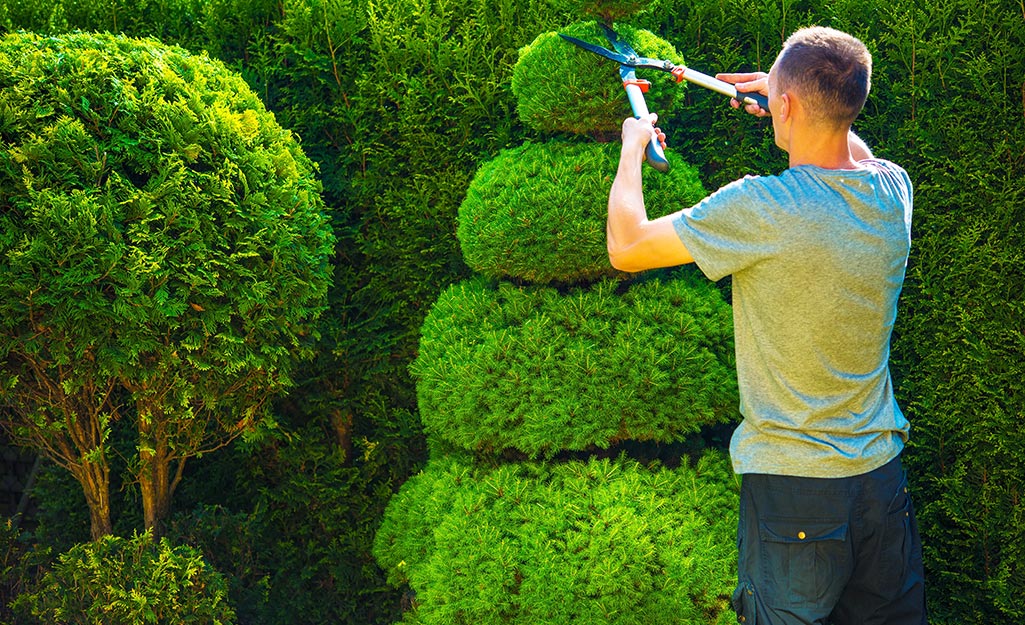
618 42
605 52
626 60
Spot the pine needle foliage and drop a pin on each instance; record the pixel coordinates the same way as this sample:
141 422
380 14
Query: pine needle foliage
537 212
537 370
561 87
597 541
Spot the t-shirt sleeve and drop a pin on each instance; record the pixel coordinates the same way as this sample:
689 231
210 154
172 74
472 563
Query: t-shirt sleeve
898 184
731 229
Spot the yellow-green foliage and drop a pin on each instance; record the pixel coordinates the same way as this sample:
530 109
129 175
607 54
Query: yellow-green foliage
136 581
532 369
537 212
561 87
598 541
154 215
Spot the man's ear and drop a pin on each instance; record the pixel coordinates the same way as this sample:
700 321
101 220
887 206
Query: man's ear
785 107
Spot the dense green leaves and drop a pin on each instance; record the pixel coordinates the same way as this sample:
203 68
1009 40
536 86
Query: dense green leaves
561 87
400 102
602 541
533 369
607 11
154 212
120 581
164 247
537 212
301 553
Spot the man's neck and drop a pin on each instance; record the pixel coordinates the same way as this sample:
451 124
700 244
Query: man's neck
812 145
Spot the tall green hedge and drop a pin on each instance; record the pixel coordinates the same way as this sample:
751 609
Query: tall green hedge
422 96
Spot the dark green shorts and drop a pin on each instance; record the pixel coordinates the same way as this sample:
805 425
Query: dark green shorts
816 551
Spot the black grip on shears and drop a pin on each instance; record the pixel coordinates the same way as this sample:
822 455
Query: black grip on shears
759 99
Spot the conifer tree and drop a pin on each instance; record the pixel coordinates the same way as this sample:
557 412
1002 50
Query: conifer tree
565 402
163 254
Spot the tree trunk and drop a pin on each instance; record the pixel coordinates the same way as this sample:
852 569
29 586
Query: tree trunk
95 481
342 423
154 475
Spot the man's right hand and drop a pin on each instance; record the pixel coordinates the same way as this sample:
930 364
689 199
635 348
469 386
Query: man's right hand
746 82
637 132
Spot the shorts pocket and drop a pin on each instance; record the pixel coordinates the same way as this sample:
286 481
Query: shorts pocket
744 603
896 547
806 562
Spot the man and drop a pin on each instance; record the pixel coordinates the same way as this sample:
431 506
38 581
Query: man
817 256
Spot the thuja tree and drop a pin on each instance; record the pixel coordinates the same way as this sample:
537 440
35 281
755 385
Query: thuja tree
164 254
564 401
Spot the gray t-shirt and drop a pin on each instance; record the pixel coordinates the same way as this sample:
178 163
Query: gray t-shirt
818 259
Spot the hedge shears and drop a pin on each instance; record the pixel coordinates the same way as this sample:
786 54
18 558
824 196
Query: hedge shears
629 60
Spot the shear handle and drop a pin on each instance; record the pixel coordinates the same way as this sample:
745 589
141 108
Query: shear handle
720 86
656 156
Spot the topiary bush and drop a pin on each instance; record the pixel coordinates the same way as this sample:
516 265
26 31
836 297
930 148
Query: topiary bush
595 541
136 581
537 212
550 354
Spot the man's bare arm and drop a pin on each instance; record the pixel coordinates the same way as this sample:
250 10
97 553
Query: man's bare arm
634 242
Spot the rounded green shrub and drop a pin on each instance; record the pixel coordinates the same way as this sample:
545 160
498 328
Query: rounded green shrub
560 87
537 212
148 191
597 541
538 370
137 581
164 251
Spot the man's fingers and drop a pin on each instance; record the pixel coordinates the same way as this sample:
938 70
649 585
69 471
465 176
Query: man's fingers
739 77
747 82
734 78
756 110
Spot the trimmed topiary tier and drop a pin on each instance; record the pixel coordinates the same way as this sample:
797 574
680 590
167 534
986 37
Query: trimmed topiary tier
537 212
562 88
598 541
539 371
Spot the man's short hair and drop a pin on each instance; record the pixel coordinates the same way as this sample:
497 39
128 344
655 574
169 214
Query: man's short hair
829 70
